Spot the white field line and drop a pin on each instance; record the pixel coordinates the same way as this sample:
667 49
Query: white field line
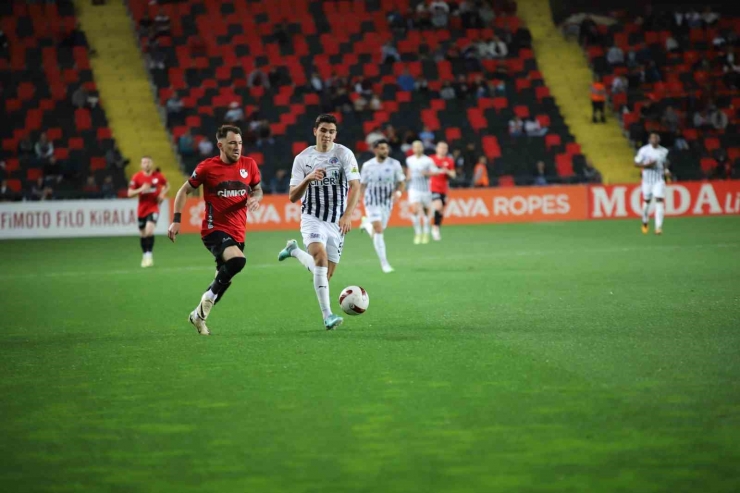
422 259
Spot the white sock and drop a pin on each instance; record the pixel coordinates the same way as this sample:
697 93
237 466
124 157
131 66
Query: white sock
425 222
415 222
379 244
659 213
645 214
321 285
369 228
303 257
211 295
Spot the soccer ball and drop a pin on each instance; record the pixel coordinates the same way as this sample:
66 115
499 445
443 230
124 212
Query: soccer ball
354 300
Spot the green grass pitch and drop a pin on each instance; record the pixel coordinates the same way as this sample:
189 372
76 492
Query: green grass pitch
569 357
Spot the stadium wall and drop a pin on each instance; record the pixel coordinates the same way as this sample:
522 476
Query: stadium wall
59 219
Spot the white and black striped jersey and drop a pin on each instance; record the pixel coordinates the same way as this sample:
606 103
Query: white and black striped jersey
381 180
327 199
417 166
649 153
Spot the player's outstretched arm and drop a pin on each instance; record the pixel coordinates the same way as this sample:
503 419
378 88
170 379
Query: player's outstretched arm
297 191
345 222
163 193
255 196
133 192
179 204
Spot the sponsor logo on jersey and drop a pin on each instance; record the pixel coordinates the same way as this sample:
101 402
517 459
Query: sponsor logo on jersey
232 188
333 160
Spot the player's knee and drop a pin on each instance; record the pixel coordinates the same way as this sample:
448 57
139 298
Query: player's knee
659 200
378 228
235 265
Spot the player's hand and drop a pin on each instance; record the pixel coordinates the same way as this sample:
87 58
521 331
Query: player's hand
253 204
173 231
398 194
650 164
317 175
345 224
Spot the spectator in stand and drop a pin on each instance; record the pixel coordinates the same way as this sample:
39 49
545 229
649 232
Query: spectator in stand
316 83
162 23
235 115
709 17
480 173
39 190
108 189
516 127
375 135
364 88
394 141
174 107
671 45
702 121
615 56
76 37
670 119
82 99
423 17
652 73
447 92
44 148
461 87
114 159
619 84
533 128
406 81
91 188
258 78
485 14
205 148
598 99
440 13
539 177
396 22
680 143
52 172
6 194
265 134
591 174
389 53
186 144
468 12
145 24
731 68
427 138
471 58
723 171
408 139
26 151
341 101
588 33
281 34
280 182
719 119
422 85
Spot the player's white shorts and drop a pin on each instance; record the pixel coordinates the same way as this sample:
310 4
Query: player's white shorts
377 213
423 198
655 190
314 230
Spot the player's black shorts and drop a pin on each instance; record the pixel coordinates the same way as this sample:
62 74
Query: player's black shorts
217 242
440 196
151 218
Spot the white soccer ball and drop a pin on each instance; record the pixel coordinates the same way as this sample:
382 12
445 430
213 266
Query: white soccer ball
354 300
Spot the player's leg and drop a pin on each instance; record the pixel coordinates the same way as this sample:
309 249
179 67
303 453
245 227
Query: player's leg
379 245
416 212
321 283
659 194
149 236
143 242
366 222
333 251
438 207
426 219
647 195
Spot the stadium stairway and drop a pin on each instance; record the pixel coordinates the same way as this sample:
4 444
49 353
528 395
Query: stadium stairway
123 83
569 78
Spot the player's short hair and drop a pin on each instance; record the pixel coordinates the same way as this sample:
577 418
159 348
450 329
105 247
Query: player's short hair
145 156
223 131
325 118
380 142
443 142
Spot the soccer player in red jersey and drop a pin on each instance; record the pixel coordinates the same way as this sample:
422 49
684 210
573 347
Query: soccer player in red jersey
231 185
151 188
439 185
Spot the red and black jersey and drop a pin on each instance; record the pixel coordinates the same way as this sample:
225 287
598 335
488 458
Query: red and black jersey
440 183
226 189
149 197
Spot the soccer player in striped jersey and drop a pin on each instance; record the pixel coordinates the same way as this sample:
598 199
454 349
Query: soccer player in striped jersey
419 168
652 160
382 181
326 179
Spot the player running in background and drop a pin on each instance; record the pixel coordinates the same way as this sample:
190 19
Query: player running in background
151 187
652 160
419 168
382 181
231 185
326 179
439 185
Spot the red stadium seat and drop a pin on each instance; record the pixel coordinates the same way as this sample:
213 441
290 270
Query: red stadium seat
506 181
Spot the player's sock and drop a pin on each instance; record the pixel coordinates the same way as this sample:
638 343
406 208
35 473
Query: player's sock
321 285
150 245
437 218
144 243
305 258
645 212
231 267
417 224
659 214
425 223
379 244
